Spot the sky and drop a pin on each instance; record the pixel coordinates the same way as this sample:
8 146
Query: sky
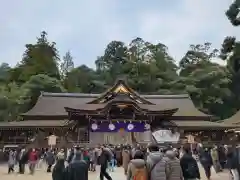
85 27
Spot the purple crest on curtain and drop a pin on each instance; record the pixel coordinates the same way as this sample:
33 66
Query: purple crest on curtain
116 126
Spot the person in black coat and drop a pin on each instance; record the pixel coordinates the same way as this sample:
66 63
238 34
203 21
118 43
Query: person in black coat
77 169
104 158
222 156
232 164
22 160
50 159
59 170
189 165
206 161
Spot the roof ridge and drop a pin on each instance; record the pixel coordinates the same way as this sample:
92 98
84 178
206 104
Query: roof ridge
162 96
167 96
49 94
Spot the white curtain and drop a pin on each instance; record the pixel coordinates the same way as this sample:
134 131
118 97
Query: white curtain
116 138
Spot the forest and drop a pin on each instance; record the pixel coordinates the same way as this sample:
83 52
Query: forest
149 69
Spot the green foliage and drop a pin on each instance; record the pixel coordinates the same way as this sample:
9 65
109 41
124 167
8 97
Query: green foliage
233 13
4 73
39 83
207 82
39 58
149 69
67 64
13 99
82 79
208 86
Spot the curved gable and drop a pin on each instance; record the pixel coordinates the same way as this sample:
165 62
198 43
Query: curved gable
120 87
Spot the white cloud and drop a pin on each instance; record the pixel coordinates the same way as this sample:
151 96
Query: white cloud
86 27
194 22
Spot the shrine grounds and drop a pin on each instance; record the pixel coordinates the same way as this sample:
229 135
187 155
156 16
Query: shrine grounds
41 174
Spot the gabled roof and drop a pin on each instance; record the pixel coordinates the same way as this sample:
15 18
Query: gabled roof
120 87
53 104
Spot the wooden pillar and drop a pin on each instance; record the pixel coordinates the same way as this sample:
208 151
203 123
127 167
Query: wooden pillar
133 139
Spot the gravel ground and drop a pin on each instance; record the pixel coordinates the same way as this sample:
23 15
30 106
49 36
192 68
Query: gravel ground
117 175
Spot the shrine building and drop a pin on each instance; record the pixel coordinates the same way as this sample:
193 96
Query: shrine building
118 116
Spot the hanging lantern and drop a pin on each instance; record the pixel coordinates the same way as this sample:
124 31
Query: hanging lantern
147 126
111 126
130 126
94 126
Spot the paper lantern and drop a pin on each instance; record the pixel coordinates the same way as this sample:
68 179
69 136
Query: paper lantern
130 127
94 126
111 126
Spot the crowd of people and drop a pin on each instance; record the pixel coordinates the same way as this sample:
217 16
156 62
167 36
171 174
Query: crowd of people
139 163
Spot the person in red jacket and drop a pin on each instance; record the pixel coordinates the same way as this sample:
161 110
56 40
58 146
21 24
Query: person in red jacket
33 157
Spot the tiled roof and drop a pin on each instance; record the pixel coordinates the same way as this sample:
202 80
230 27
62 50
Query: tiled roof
53 104
35 123
201 124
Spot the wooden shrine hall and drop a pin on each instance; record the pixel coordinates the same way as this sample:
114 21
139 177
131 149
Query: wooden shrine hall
119 115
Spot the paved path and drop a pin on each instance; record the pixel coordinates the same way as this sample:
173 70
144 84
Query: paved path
117 175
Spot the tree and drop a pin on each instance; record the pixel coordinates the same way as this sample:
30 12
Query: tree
13 101
149 69
67 65
196 54
111 63
230 52
83 80
41 83
206 82
4 73
233 13
39 58
208 85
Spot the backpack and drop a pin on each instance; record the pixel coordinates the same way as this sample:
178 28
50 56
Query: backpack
153 167
140 174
